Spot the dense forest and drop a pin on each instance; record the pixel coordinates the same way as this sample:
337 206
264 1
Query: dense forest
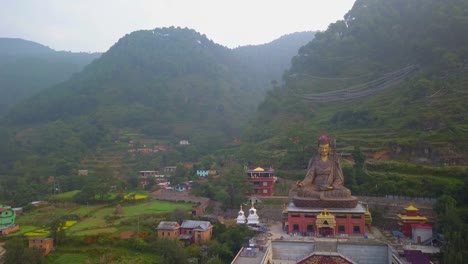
27 67
166 84
388 83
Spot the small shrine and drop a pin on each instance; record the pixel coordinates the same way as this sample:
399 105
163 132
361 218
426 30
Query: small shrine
409 219
326 223
241 219
368 217
253 218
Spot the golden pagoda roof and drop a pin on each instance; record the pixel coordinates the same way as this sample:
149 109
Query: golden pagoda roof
415 218
411 208
325 215
259 169
325 219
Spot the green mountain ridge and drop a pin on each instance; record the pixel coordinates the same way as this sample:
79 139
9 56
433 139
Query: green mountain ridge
392 76
27 67
170 82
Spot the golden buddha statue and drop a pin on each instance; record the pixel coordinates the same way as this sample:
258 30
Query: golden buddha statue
324 179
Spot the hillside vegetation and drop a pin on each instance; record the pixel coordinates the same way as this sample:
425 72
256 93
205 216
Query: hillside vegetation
392 76
27 67
166 84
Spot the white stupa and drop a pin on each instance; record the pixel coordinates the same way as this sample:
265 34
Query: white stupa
241 217
253 217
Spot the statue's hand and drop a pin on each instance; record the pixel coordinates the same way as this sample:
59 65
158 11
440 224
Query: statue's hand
326 187
299 184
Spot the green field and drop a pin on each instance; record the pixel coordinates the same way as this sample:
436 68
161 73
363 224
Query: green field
94 218
97 220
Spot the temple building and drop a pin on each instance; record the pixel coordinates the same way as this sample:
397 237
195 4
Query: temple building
7 220
263 180
326 222
412 221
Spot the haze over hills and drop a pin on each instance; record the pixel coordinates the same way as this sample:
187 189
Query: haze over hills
392 77
389 83
169 83
27 67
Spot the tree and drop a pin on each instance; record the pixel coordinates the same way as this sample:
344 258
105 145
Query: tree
171 251
118 210
97 185
232 180
17 252
57 230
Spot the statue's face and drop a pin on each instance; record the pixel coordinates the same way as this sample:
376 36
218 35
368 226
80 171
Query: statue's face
324 149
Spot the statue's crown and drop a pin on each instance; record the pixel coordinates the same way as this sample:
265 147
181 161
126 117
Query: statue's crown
324 139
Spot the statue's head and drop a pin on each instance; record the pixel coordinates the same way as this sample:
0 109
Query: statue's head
324 146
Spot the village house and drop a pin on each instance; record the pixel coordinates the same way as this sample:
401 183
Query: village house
184 142
170 169
168 230
182 187
82 172
197 232
188 165
190 231
145 175
202 173
141 151
162 148
45 244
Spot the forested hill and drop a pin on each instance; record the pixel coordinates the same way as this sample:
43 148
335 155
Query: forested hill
392 77
27 67
167 83
269 61
16 46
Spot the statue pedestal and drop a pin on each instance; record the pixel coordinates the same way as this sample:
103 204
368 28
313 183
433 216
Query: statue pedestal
350 202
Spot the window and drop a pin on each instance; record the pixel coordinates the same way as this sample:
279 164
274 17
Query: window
310 228
341 229
295 228
295 215
309 216
341 216
356 217
265 183
265 190
162 233
356 229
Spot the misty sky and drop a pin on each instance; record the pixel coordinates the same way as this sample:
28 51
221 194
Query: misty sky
95 25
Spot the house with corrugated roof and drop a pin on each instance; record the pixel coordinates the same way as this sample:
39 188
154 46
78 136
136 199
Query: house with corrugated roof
196 231
168 230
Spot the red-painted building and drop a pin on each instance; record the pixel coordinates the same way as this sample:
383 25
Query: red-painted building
409 218
326 222
263 181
